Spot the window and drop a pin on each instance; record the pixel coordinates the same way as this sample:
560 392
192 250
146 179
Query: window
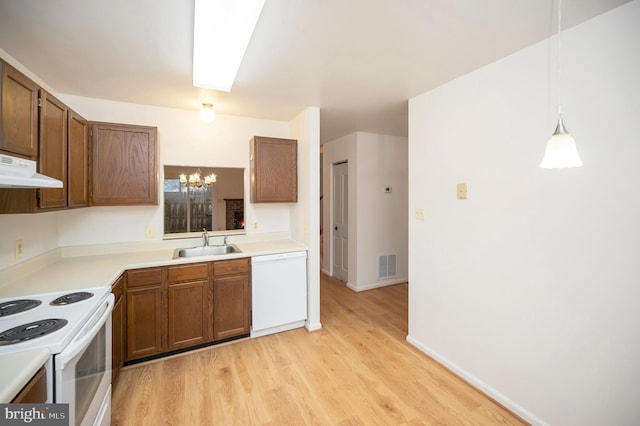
218 206
187 208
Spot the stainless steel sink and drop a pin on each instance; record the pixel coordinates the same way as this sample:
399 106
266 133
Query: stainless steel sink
206 251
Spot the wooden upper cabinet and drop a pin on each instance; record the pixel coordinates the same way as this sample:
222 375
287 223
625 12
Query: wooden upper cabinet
53 149
124 169
18 113
78 161
274 170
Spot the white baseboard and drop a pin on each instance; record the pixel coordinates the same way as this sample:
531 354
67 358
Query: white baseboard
376 285
478 384
312 327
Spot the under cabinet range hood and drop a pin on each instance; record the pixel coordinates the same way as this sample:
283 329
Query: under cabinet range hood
21 173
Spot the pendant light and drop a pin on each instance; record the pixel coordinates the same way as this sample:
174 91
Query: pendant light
561 149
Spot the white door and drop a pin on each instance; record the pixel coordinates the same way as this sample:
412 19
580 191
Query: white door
340 222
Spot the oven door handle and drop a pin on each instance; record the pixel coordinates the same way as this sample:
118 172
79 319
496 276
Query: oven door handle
85 336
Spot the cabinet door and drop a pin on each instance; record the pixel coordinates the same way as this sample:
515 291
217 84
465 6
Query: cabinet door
274 170
144 322
117 329
34 392
18 113
53 150
78 161
117 336
231 306
189 314
124 166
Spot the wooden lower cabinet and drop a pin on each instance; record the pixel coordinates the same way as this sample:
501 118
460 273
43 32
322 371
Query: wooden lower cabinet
34 392
144 322
189 306
181 306
231 308
118 331
231 298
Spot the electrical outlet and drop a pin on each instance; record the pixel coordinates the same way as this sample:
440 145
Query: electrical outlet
419 213
18 249
149 231
256 225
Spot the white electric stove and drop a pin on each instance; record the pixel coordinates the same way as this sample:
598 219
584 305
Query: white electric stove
45 322
75 326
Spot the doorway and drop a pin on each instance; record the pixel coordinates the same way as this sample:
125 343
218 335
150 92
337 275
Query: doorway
340 228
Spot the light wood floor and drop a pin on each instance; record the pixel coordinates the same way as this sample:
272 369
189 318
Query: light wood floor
357 370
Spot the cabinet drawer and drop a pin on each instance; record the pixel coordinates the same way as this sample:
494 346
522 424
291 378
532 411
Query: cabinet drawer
192 272
144 277
230 267
118 288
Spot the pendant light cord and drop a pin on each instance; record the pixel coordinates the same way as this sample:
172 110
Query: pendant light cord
559 69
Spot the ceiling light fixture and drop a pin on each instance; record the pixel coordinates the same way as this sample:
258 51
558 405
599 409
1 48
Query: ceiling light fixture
221 34
561 149
207 114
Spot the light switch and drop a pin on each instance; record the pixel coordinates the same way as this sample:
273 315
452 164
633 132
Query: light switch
462 191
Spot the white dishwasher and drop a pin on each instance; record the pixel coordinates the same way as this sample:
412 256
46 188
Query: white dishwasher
278 292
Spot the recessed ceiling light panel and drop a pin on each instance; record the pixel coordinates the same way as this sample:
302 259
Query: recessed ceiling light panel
222 30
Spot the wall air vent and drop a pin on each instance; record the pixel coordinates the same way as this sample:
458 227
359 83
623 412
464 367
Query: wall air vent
387 266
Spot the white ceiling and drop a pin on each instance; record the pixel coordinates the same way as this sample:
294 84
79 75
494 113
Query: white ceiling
358 60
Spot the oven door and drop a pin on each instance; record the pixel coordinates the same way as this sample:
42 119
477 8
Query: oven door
83 371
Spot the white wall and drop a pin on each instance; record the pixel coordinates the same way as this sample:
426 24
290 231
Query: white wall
183 140
305 215
38 232
377 220
529 289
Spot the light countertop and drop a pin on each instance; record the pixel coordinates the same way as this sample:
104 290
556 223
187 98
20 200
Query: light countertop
17 369
75 268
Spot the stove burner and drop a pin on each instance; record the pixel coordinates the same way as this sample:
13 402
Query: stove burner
30 331
67 299
16 306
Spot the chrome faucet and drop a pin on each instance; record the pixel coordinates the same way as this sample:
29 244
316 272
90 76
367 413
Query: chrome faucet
205 236
225 240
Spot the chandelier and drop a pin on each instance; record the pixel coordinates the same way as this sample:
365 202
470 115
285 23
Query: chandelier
195 180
